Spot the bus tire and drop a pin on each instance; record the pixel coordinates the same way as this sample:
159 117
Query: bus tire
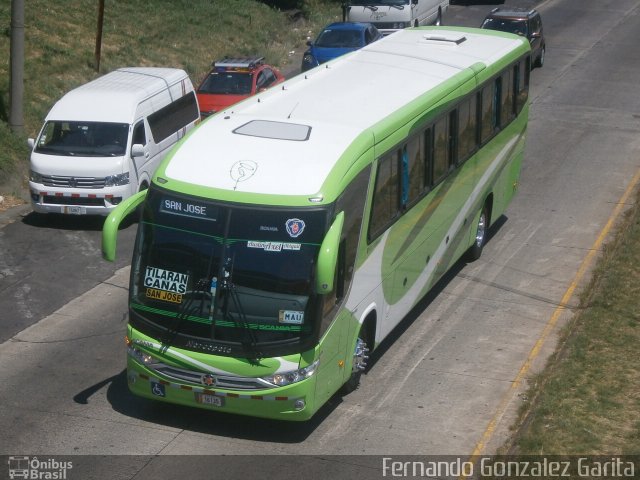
360 357
482 228
438 21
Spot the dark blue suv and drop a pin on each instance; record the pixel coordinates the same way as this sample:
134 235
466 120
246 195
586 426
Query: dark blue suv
337 39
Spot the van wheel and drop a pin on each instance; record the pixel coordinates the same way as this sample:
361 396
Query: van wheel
481 235
416 23
360 357
438 21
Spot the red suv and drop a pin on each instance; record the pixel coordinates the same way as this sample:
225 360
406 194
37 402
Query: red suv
234 79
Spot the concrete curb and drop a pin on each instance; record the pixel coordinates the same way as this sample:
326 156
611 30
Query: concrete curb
14 213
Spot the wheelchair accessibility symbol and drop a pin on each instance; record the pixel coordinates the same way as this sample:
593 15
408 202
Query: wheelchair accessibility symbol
157 389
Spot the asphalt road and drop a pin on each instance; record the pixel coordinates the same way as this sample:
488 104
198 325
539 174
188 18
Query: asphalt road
446 383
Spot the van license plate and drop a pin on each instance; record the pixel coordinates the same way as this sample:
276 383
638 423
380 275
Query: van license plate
75 210
205 399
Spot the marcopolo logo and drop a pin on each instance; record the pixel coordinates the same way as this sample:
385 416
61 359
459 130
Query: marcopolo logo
34 468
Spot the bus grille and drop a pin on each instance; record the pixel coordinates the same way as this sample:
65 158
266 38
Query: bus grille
73 182
220 381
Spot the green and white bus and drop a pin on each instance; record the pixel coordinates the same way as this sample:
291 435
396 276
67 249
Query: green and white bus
285 237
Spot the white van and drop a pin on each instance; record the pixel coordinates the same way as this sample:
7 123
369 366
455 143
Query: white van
102 141
391 15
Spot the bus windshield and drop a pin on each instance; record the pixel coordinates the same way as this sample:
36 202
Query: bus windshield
225 279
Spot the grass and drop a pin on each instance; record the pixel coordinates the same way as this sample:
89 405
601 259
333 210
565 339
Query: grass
587 401
189 34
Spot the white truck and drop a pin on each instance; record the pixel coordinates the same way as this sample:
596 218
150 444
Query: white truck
391 15
102 141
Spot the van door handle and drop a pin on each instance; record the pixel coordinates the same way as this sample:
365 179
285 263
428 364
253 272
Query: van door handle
146 154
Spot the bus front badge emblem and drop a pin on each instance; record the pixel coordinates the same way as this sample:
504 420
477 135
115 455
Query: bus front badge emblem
208 380
294 227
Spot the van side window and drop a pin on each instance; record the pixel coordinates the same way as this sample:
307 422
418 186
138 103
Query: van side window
139 135
171 118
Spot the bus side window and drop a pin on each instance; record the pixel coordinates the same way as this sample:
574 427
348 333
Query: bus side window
428 158
506 98
522 84
486 113
415 167
453 139
440 149
351 202
466 128
385 196
495 104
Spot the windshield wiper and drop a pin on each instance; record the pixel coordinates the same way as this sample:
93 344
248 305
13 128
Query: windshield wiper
229 292
371 7
399 7
171 333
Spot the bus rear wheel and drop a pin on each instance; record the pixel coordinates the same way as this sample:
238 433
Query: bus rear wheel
482 229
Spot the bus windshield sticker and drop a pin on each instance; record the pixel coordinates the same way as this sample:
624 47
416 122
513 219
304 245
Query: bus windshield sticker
165 285
295 227
273 246
188 209
294 317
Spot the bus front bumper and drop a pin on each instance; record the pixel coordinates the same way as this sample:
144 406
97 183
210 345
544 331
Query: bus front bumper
293 402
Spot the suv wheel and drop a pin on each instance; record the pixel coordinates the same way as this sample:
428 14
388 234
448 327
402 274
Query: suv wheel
540 60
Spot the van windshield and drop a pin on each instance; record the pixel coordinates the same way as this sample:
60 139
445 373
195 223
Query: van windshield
83 139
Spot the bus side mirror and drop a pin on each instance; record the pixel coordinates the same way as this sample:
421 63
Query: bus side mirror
328 257
113 221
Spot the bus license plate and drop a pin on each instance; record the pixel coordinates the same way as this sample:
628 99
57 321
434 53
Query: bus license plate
75 210
206 399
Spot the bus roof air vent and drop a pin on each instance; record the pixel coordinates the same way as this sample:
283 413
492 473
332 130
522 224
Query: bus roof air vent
444 38
275 130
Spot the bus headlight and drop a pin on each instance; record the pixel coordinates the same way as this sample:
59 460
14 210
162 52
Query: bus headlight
117 180
287 378
139 355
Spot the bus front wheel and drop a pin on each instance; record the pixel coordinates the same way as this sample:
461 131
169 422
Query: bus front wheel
360 357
